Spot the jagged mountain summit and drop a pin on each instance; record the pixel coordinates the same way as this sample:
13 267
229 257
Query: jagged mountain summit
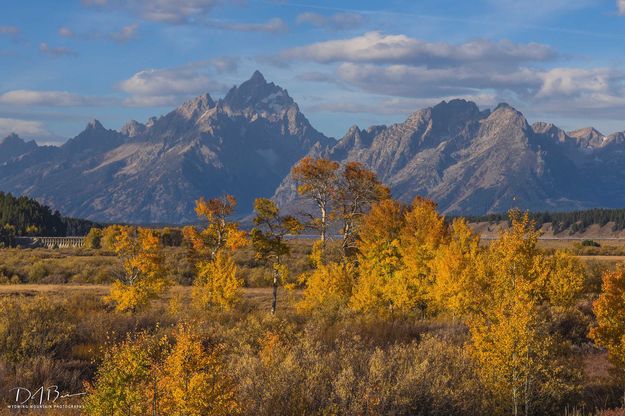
470 161
474 162
13 146
243 144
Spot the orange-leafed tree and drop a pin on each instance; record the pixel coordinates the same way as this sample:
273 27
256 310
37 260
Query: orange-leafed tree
142 276
218 232
317 180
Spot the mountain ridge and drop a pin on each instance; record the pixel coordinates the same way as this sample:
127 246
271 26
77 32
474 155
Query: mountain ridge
483 162
471 161
153 172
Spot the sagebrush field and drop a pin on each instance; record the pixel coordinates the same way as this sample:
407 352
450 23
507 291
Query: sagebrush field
390 309
56 329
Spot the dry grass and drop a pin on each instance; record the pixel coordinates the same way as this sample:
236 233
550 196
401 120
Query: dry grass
602 258
257 297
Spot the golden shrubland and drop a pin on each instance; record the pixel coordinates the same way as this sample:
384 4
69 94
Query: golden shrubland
395 309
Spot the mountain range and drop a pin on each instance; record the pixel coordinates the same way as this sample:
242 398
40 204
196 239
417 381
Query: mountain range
470 161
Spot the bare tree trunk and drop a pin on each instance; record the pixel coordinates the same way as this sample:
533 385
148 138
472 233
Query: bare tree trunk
323 226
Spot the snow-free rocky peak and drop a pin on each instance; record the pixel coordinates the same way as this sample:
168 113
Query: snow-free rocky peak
243 144
468 159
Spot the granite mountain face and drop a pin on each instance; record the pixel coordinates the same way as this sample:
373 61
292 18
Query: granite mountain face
153 173
469 161
13 146
474 162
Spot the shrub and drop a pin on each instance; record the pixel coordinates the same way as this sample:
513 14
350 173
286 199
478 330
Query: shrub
34 327
590 243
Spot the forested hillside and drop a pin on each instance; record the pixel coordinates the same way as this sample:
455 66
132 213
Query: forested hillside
575 221
25 216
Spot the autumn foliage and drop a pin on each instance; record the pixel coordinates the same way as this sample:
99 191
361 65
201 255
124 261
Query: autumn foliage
150 375
142 276
610 311
217 283
397 310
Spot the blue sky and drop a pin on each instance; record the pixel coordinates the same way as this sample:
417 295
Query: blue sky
65 62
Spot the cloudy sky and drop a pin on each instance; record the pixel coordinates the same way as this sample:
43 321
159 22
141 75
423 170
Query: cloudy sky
363 62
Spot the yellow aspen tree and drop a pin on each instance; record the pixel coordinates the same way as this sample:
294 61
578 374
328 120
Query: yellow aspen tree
520 362
126 381
93 239
194 379
423 231
142 276
563 279
217 283
329 285
109 237
455 268
609 309
515 355
379 257
146 375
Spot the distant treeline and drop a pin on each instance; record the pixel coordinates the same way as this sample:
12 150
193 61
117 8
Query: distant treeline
21 216
575 221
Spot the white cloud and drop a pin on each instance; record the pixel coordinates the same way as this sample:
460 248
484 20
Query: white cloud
126 33
55 51
25 128
573 81
596 92
570 91
157 87
620 4
338 21
410 81
375 47
45 98
399 66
